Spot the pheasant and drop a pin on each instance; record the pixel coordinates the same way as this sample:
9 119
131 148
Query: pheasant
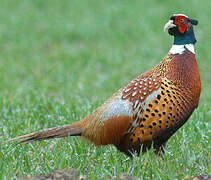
151 108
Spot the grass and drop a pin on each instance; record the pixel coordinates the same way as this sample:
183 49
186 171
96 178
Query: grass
59 60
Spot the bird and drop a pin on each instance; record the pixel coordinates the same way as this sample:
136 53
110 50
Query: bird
146 112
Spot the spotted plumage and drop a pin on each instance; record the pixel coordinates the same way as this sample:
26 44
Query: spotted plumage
151 108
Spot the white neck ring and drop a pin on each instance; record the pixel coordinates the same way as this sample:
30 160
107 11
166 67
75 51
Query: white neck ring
179 49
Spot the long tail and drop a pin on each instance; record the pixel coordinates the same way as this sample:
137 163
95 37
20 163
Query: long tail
68 130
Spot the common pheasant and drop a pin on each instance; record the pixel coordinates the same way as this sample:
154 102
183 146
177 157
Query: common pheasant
151 108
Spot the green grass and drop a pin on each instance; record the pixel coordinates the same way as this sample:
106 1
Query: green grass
59 60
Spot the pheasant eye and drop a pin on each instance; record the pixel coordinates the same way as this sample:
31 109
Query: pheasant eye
182 20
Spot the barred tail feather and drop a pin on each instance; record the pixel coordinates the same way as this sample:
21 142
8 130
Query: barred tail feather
58 132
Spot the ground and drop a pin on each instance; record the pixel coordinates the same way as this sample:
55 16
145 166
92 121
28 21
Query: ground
59 60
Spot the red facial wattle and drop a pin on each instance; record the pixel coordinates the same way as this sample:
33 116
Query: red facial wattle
182 23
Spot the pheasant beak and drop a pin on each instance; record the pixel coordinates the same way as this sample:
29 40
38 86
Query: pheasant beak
168 25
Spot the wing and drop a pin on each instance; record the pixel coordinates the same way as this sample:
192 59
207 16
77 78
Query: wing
121 113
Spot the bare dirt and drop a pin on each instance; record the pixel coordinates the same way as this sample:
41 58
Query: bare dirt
73 174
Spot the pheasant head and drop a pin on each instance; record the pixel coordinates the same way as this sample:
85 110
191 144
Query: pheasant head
181 27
